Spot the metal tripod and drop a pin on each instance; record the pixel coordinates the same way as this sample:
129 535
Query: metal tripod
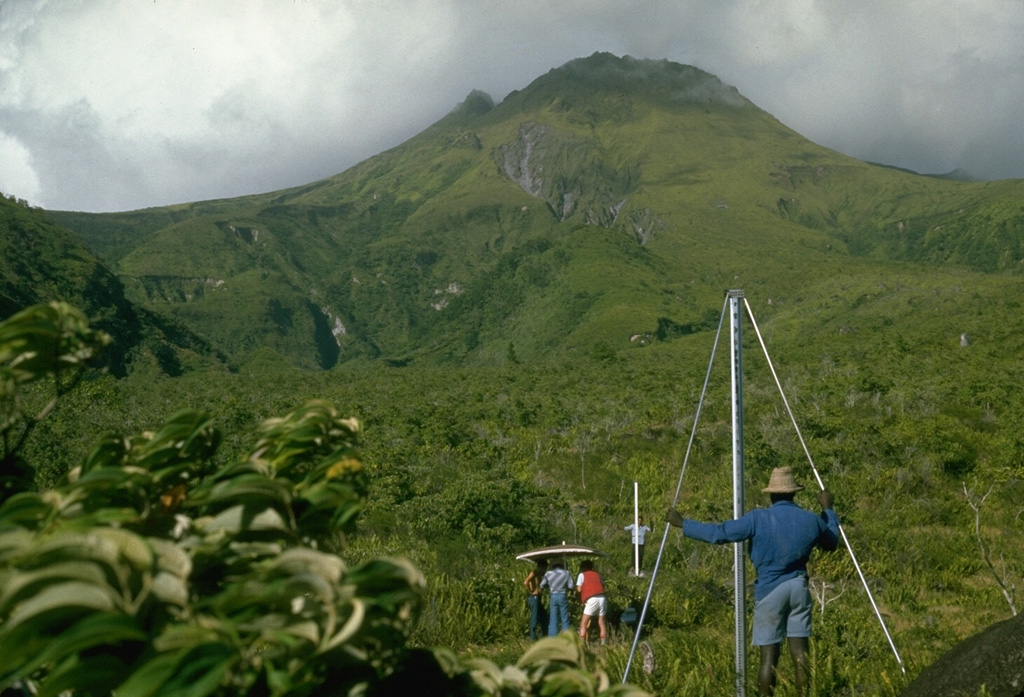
733 305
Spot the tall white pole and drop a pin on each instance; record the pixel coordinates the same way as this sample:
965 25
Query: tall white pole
636 528
735 305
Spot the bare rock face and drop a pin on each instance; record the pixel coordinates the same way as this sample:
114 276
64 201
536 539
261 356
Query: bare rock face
568 172
993 658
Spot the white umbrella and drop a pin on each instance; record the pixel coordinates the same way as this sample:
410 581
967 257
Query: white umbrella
563 550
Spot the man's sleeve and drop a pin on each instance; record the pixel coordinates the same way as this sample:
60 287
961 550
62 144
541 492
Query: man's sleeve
829 538
720 533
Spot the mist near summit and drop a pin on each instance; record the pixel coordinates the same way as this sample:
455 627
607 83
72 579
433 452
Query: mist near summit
110 106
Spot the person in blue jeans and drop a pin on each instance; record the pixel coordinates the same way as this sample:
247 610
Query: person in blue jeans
559 582
781 539
533 599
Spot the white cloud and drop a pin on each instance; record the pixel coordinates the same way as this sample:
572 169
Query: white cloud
766 32
919 84
17 177
115 105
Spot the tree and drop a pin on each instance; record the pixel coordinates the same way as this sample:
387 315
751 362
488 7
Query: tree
1002 574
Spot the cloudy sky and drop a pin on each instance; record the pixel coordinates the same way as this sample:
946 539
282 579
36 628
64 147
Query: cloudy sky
122 104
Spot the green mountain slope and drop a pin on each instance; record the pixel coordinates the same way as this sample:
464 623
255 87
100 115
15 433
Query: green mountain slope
608 203
40 262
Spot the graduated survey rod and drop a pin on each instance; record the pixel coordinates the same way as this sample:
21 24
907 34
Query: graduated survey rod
739 566
821 484
636 528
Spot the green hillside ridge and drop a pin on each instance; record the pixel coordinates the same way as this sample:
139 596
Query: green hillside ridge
444 248
40 262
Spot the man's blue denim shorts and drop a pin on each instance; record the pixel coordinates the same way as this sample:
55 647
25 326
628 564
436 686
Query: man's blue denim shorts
785 612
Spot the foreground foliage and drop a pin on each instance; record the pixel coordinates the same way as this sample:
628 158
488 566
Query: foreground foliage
45 342
149 571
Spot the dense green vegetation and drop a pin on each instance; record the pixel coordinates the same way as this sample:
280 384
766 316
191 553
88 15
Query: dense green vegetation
518 356
470 465
148 571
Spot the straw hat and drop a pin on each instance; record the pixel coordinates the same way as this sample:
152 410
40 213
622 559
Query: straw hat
782 482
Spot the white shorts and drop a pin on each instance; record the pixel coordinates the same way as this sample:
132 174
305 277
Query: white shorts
596 605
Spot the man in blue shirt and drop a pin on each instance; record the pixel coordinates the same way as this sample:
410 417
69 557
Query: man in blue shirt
781 539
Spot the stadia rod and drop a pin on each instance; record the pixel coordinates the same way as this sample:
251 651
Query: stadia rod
636 528
738 561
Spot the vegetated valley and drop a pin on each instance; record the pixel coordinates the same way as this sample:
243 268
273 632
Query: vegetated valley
520 305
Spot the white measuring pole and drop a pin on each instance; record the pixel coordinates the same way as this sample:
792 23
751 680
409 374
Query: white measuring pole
736 364
636 528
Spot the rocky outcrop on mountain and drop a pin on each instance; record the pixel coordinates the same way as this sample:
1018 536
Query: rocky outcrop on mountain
645 224
568 172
